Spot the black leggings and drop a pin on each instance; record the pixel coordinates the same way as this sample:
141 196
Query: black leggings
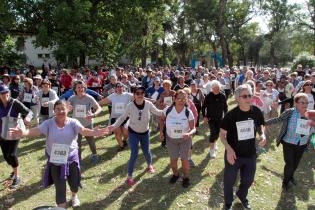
60 184
9 151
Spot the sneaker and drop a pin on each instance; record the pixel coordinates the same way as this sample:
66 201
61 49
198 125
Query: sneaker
174 179
12 176
191 163
75 201
213 153
150 169
245 203
125 144
94 159
130 182
15 183
186 182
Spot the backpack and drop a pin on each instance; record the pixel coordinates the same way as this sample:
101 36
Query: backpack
195 99
169 109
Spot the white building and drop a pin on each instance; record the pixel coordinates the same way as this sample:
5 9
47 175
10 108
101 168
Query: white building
37 56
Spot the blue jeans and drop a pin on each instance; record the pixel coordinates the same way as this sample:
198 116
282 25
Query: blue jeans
134 140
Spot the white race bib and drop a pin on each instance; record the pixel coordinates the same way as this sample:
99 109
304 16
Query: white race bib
95 84
28 97
177 131
80 111
59 153
245 130
45 100
302 127
55 88
168 100
155 95
119 108
232 76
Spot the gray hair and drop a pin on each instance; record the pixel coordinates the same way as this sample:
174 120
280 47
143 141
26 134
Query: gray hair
216 83
241 88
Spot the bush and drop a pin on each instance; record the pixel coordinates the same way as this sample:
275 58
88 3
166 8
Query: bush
304 58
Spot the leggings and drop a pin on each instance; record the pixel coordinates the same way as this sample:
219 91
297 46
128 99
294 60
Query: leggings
60 184
9 151
134 140
214 125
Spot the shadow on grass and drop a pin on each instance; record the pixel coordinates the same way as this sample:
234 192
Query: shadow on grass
215 191
22 194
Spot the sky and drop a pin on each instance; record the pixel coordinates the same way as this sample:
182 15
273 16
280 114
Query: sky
263 21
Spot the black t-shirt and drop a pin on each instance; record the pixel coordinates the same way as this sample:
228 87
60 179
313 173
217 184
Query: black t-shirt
244 148
44 110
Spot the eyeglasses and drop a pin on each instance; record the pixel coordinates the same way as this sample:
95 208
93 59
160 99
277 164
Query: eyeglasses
246 96
140 115
307 85
269 85
302 102
118 86
139 93
180 99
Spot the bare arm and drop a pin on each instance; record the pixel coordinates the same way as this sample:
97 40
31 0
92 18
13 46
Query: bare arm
104 101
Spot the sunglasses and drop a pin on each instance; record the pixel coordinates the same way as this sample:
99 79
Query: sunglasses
118 86
246 96
140 115
139 93
308 85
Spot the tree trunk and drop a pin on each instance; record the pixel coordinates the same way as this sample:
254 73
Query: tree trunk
272 54
82 59
214 48
229 55
144 54
220 29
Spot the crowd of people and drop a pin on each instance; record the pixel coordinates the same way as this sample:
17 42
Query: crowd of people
170 100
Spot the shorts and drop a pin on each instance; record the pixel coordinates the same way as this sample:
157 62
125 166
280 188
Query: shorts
178 148
113 120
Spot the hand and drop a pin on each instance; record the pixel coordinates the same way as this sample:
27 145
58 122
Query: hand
231 156
110 128
186 136
45 104
205 120
16 133
101 131
27 121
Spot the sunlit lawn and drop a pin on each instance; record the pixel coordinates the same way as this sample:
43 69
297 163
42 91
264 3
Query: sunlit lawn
104 184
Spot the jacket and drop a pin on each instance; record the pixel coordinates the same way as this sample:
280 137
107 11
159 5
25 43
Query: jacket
284 118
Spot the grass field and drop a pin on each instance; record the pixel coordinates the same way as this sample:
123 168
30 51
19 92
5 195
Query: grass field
104 184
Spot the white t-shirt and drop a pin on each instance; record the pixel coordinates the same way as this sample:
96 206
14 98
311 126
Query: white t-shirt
310 105
205 87
177 123
119 103
268 99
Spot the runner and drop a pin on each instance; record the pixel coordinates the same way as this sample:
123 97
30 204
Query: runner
82 110
62 151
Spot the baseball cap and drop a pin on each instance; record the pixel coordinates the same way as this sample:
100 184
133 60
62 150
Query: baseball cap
4 89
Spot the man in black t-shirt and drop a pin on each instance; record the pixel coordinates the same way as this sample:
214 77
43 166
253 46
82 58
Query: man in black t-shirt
238 133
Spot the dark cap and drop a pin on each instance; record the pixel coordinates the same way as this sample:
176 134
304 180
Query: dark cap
139 88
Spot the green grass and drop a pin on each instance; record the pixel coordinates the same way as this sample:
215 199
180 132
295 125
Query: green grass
104 184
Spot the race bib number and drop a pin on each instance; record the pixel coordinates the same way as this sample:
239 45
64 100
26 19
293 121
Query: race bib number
177 131
28 97
119 108
168 101
232 76
80 111
245 130
155 95
59 154
55 88
45 100
95 84
302 127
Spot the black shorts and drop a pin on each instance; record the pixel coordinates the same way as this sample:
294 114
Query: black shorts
113 120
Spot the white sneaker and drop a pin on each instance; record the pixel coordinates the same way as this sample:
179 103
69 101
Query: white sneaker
213 153
75 201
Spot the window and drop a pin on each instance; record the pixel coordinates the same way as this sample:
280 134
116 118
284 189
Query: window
40 55
47 55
